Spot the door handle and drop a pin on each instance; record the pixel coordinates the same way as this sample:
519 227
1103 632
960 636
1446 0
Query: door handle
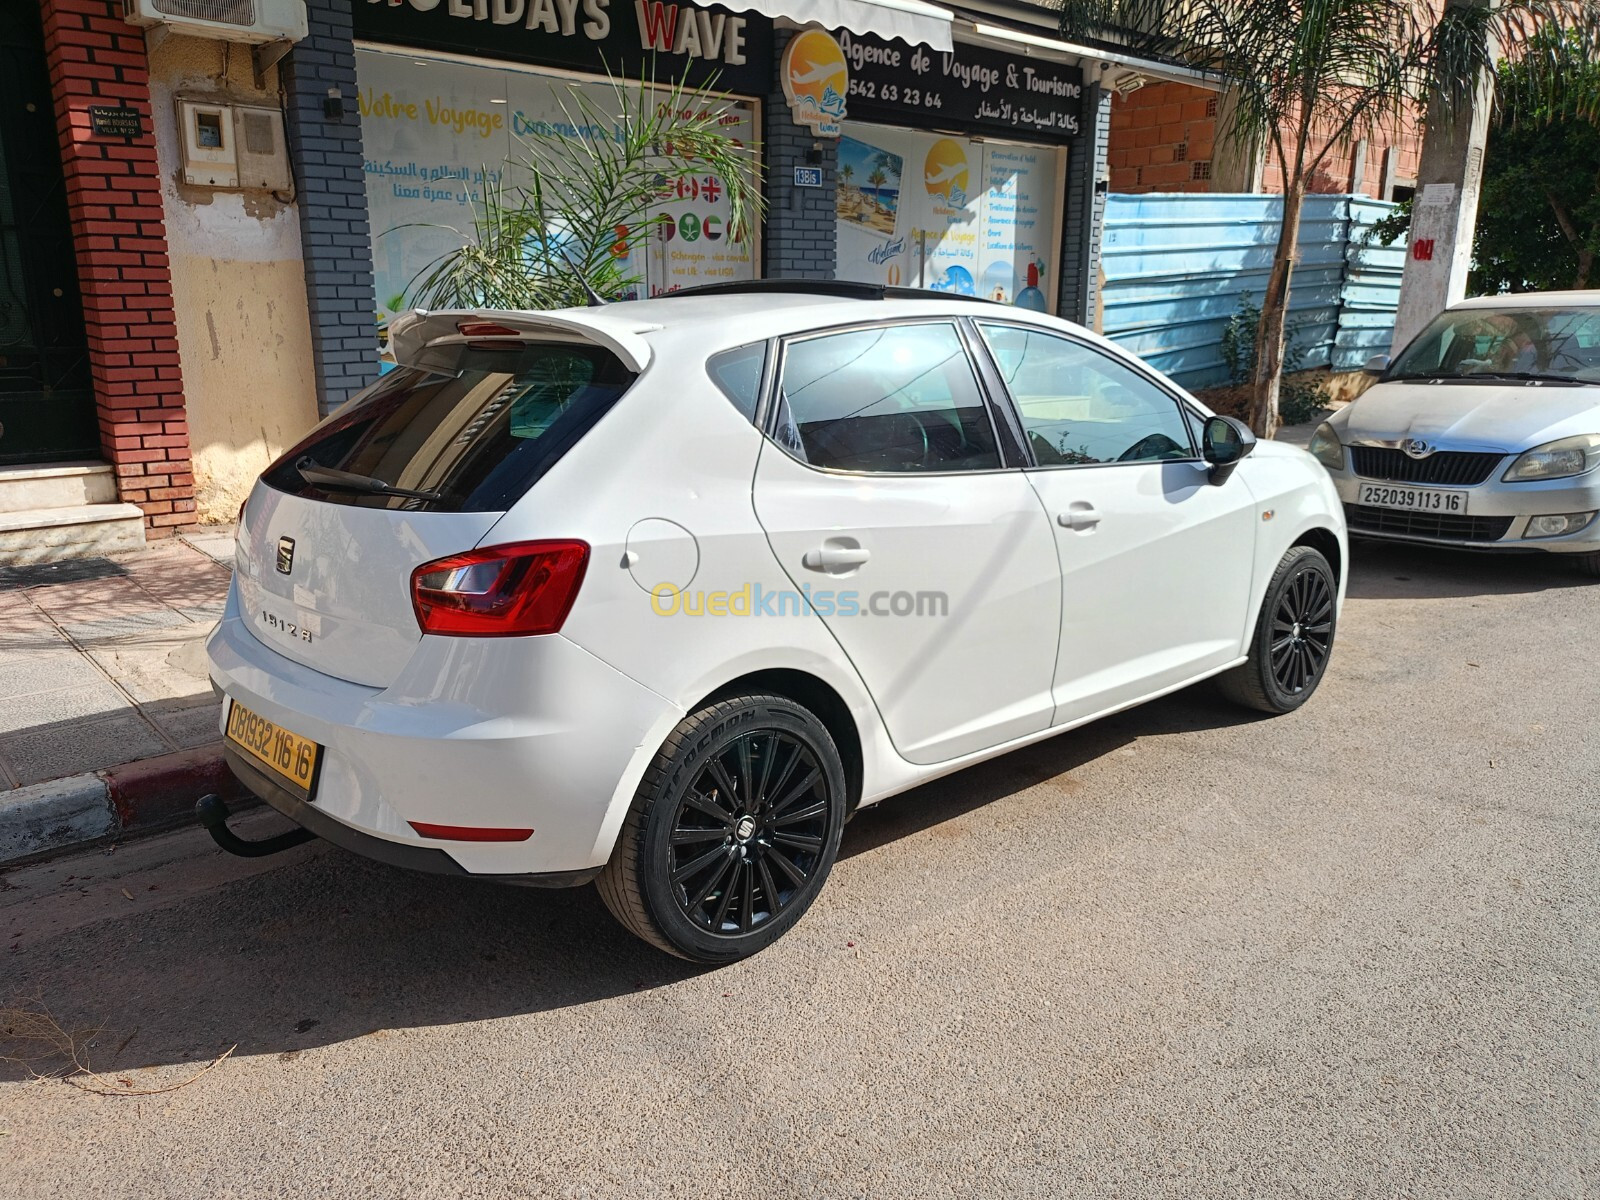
833 556
1079 515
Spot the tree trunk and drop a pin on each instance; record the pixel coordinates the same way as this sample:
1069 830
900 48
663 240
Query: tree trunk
1264 383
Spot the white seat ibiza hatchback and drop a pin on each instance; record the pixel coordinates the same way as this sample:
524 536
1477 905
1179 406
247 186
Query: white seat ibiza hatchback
658 593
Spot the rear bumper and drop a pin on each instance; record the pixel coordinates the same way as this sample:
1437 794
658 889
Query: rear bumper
494 733
395 854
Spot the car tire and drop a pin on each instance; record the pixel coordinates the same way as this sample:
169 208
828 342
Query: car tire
1587 564
732 832
1293 638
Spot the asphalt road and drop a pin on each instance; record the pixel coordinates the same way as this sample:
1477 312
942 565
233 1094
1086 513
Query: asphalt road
1182 952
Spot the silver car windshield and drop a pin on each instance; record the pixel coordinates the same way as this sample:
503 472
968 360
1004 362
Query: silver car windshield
1558 345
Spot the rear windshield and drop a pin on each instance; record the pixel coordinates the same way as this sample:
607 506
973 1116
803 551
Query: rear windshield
475 427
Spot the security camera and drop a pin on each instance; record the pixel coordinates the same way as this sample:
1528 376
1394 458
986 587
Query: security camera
1128 82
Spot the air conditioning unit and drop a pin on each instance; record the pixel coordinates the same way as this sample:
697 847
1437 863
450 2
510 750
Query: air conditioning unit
255 21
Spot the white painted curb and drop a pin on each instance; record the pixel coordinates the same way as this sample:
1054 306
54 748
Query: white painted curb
49 816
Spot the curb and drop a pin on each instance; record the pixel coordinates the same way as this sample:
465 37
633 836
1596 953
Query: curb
137 797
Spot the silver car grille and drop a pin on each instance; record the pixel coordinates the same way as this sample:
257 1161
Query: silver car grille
1446 527
1448 468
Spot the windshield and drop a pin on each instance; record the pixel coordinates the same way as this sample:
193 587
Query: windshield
468 428
1518 343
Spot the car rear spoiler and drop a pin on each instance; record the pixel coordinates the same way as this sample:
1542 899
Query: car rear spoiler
411 331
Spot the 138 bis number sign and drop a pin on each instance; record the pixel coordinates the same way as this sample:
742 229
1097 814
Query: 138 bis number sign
973 89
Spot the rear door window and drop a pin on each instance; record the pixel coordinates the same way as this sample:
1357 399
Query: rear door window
892 398
476 425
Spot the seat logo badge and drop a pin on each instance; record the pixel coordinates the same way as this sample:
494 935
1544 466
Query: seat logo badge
1416 448
285 555
745 829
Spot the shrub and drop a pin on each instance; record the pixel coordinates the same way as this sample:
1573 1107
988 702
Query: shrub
1298 399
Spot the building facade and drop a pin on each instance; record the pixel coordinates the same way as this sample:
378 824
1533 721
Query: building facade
206 261
1172 137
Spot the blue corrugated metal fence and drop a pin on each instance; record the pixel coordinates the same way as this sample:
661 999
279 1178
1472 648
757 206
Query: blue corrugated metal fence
1175 267
1371 289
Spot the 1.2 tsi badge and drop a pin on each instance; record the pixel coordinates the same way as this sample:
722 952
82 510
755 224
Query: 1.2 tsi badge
285 555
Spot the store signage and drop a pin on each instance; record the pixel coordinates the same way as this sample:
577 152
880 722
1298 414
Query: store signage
808 177
669 42
815 81
972 89
115 121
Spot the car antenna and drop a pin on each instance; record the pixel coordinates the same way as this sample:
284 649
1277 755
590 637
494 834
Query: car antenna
596 300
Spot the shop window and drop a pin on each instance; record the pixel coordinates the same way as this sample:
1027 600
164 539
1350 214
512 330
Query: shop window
948 213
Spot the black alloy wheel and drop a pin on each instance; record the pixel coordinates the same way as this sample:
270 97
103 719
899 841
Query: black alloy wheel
1293 638
749 831
732 833
1302 630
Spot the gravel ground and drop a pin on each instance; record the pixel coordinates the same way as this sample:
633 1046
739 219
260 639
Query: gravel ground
1183 952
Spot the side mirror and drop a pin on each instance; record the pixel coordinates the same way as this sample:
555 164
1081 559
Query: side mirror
1224 443
1376 365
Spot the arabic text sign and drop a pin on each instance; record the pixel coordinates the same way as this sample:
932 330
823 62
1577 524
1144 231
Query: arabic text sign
973 89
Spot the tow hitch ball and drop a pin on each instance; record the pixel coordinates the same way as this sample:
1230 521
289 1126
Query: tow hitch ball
213 814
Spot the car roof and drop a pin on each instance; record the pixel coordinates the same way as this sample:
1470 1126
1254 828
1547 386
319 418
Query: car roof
721 316
712 319
734 319
1569 299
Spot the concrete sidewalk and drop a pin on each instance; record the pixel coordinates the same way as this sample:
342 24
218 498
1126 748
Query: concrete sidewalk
102 665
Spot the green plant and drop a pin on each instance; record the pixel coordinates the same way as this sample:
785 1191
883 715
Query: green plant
1308 76
1539 212
1239 339
585 201
1298 399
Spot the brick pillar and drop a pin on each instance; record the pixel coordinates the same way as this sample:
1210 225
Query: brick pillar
335 236
801 234
1084 213
119 234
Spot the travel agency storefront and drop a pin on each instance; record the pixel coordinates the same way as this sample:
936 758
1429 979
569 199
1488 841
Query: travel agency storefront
446 99
900 144
951 167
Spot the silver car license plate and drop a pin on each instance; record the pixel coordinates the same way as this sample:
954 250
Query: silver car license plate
1412 499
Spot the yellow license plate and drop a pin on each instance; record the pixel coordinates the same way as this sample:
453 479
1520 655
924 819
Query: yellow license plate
291 758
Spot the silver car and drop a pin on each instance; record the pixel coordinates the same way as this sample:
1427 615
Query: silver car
1484 433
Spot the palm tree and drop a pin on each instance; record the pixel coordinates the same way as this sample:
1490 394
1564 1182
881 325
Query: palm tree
566 232
846 174
1309 76
877 179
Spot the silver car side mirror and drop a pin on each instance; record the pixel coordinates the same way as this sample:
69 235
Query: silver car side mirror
1376 365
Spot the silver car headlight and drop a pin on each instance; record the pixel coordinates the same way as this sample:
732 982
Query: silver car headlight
1326 447
1557 460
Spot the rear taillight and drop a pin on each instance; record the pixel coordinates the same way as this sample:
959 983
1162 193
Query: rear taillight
518 590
